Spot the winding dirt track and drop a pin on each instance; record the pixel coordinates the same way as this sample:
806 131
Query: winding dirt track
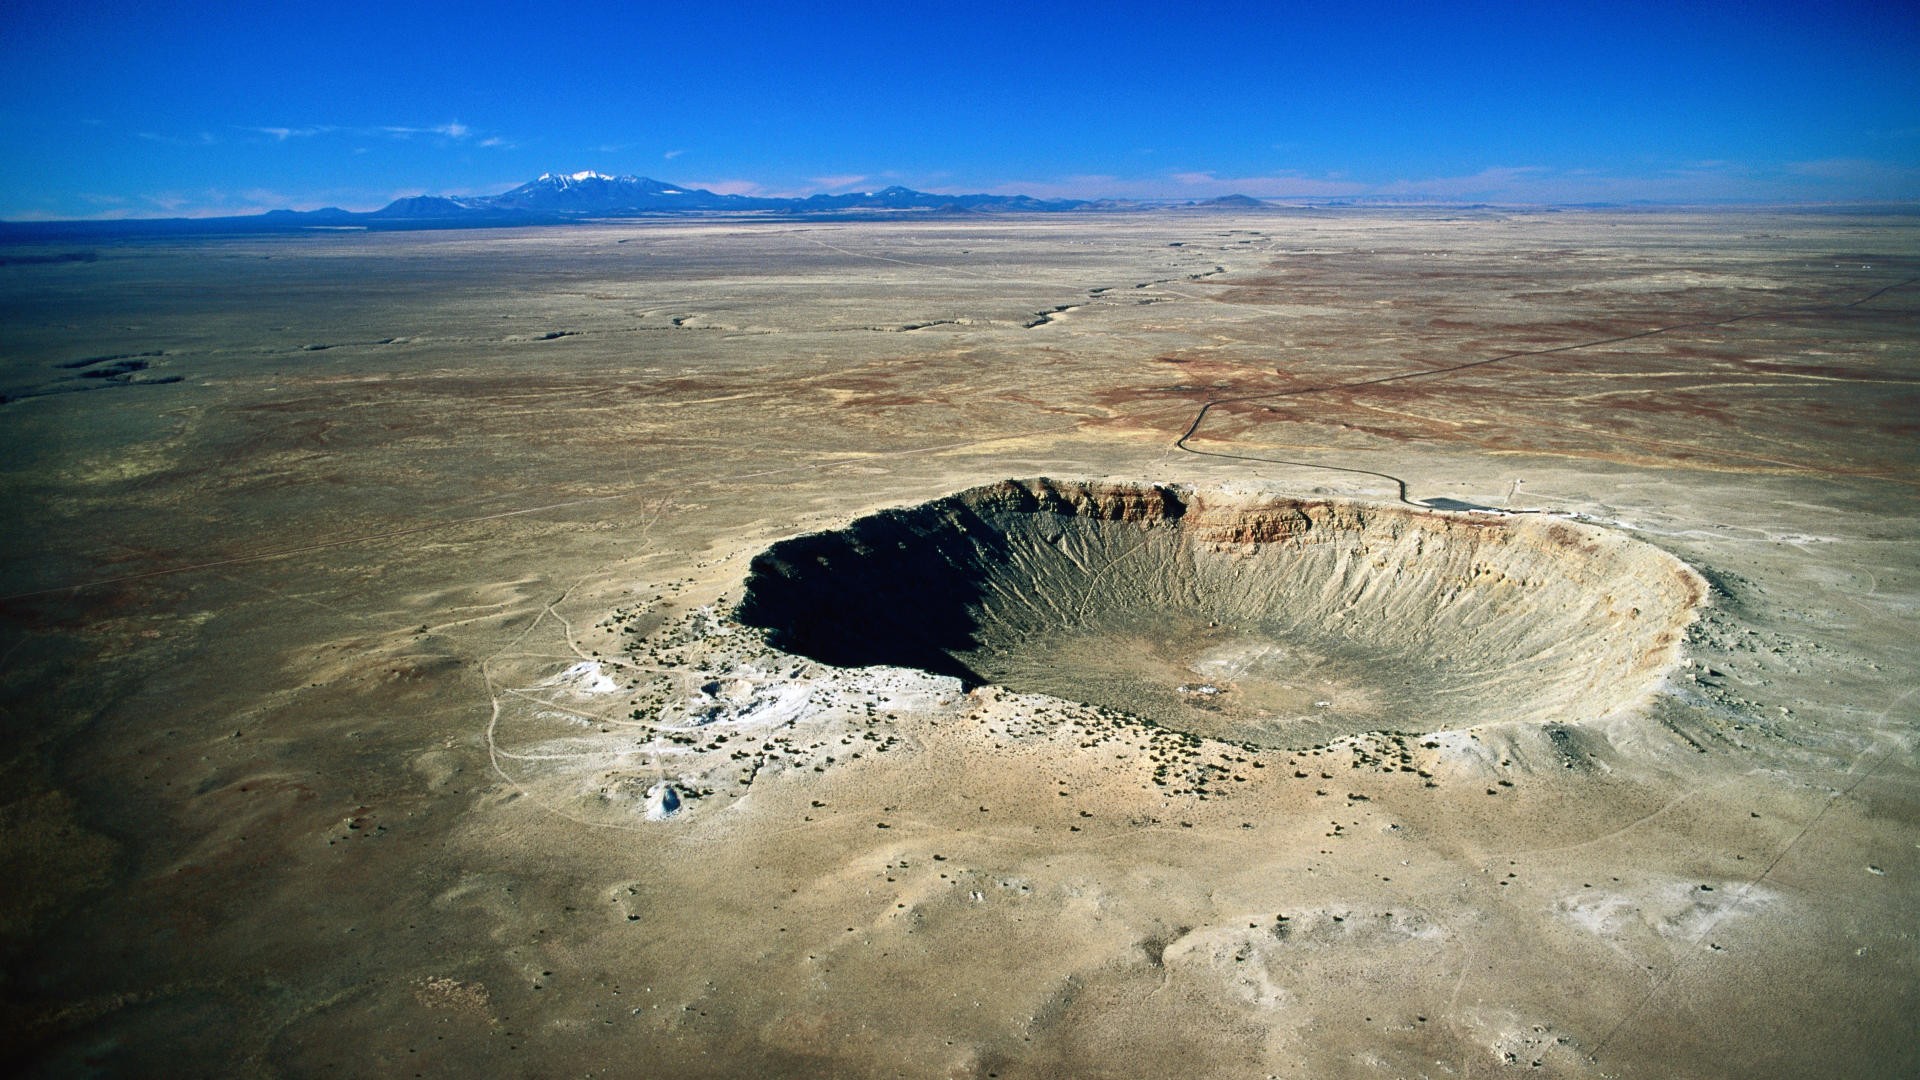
1182 443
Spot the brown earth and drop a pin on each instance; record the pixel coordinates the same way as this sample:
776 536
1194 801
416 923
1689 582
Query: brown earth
346 677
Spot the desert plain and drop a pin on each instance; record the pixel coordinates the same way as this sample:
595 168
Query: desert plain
1331 642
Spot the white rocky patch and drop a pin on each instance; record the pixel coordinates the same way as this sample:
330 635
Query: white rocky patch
586 677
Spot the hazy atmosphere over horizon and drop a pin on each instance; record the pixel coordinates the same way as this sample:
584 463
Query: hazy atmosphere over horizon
164 109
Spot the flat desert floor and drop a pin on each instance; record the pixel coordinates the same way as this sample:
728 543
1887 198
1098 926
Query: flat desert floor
394 684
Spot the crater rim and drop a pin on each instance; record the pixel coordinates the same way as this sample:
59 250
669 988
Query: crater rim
1321 616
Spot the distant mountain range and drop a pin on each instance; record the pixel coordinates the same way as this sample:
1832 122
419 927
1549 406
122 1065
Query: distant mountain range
573 196
560 198
563 198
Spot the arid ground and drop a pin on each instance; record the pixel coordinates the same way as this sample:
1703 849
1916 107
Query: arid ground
405 669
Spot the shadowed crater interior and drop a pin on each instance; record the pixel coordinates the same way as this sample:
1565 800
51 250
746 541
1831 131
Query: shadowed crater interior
1255 617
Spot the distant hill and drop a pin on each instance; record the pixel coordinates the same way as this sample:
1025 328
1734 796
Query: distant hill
1234 202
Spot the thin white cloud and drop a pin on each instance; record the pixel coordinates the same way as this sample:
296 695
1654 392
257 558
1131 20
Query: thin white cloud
1697 181
1861 177
223 202
282 134
1498 183
452 130
671 154
1081 186
733 187
1850 169
1211 181
1205 184
845 180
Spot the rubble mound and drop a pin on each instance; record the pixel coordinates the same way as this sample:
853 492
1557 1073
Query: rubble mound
1251 617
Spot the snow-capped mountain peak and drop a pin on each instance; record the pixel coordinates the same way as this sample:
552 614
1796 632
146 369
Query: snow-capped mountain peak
564 179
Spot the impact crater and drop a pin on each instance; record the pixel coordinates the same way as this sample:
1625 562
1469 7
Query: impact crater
1250 617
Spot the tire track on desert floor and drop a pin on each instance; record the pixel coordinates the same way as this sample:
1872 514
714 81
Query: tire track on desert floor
1687 959
1200 418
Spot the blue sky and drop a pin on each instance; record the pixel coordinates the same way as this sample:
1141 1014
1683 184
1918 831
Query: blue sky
158 108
